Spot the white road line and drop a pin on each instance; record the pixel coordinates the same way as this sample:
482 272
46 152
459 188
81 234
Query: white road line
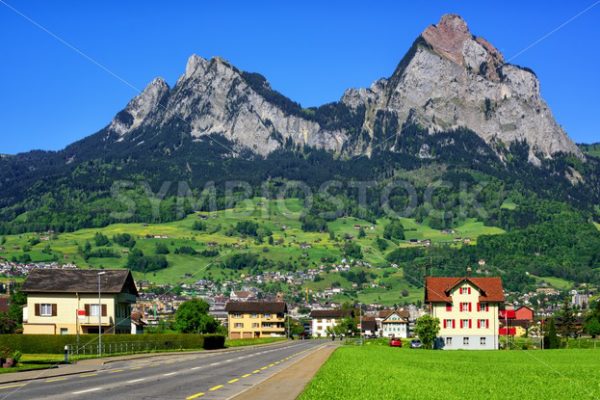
195 368
170 373
88 390
136 380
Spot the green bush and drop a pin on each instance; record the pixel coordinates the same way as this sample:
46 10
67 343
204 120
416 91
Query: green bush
55 344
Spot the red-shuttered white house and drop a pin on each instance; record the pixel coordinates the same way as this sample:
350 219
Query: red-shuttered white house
467 308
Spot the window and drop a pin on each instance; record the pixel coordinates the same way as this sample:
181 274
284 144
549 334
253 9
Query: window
94 310
466 341
267 315
238 325
64 331
254 315
465 306
46 310
448 307
465 323
448 323
483 307
255 325
483 323
482 341
448 341
237 315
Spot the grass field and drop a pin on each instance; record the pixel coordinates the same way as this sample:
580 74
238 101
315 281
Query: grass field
291 244
381 372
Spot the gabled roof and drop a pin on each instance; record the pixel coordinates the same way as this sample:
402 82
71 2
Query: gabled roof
113 281
403 318
330 314
383 314
369 324
272 307
437 289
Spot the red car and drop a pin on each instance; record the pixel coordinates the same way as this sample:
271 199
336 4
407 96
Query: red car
395 342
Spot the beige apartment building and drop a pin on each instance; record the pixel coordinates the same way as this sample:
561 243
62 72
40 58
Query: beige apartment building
467 308
255 319
61 302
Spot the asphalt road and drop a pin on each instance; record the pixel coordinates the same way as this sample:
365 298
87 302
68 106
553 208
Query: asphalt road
185 376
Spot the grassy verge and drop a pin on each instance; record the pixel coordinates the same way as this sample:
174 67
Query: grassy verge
25 367
381 372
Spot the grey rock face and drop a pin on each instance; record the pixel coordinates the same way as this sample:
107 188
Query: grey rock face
449 79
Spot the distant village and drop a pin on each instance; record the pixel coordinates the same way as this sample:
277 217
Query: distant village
517 314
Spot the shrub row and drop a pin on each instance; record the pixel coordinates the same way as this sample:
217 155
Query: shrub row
55 344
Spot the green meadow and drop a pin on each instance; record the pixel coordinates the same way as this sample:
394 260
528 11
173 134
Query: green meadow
379 372
290 245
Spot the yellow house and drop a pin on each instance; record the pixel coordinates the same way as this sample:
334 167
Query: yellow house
254 319
65 301
467 309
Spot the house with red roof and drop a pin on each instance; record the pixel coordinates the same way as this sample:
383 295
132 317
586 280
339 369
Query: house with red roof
468 310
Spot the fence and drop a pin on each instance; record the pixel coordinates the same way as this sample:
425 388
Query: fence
123 348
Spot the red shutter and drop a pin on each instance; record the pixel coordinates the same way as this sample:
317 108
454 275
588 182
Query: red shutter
469 324
469 290
444 323
487 323
453 324
469 306
448 307
461 291
478 307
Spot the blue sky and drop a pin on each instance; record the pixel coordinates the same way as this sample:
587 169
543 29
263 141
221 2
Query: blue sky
309 51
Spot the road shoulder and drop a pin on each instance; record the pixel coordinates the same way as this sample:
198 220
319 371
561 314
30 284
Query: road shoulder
290 382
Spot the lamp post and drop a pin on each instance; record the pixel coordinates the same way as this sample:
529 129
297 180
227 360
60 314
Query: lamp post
100 315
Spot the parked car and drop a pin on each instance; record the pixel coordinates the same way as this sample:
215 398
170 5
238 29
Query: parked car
416 344
395 342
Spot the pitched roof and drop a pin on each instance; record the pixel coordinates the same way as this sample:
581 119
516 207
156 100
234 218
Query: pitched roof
437 289
369 324
335 313
273 307
386 313
79 281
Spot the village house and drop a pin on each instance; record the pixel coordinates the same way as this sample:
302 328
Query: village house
394 323
369 327
61 301
255 319
467 308
323 321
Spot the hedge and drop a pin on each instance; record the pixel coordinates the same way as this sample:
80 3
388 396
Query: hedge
55 344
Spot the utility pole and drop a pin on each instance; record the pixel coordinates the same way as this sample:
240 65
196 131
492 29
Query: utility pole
100 315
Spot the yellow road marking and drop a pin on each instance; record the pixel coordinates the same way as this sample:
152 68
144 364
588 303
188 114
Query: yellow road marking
212 389
263 368
270 365
86 375
114 371
12 386
194 396
233 380
56 379
136 368
256 371
245 376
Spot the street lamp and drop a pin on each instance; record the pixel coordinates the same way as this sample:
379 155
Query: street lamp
100 315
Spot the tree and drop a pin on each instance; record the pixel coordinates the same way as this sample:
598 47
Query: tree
192 317
101 240
567 321
427 329
592 321
551 340
394 230
361 233
161 248
353 250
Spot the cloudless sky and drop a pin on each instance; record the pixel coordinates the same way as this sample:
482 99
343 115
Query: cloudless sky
310 51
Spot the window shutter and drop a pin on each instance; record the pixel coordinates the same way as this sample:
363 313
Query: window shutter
487 323
469 290
54 310
87 310
104 310
453 324
445 323
37 310
478 307
460 291
448 307
469 324
469 306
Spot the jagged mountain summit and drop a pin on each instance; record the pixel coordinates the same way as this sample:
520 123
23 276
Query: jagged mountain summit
449 79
